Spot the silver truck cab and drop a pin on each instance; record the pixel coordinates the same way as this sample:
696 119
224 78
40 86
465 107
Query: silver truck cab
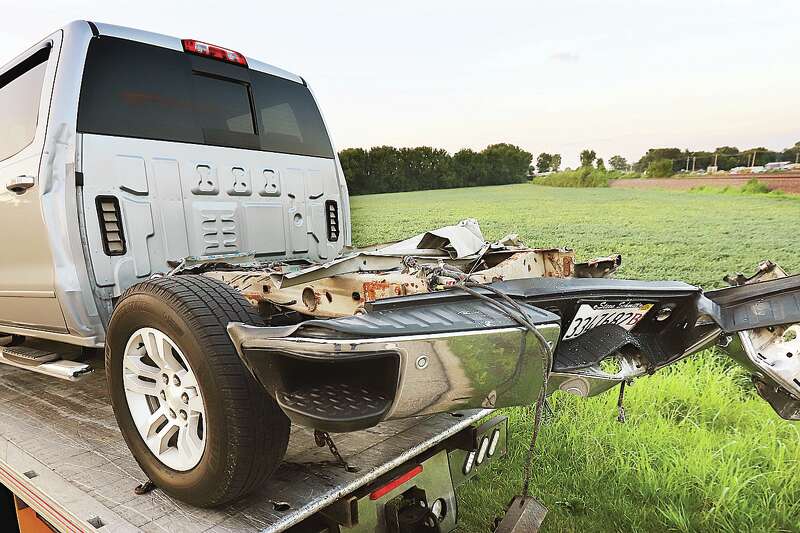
122 153
123 150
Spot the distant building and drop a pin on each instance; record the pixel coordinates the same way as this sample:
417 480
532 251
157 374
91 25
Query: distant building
778 165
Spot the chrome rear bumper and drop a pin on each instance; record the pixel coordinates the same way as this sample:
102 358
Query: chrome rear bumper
352 373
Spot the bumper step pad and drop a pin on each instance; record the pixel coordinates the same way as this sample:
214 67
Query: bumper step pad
342 403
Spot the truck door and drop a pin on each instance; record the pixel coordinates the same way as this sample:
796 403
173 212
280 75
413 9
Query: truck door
27 295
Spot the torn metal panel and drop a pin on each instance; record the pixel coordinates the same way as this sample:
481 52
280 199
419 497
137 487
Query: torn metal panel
600 267
327 297
332 290
551 263
360 262
456 242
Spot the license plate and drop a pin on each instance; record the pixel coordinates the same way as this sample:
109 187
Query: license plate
624 314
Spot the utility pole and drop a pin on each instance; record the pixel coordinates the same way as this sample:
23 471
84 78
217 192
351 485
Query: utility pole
715 160
754 159
694 161
687 163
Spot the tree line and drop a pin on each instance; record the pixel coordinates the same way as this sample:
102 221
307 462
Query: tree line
663 162
389 169
725 157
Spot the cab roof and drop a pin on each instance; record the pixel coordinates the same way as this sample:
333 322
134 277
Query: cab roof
174 43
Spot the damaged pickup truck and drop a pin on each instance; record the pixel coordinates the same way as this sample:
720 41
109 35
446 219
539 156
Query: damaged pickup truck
182 206
396 331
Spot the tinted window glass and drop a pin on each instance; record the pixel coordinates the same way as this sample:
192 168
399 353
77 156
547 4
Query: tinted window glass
289 117
136 90
132 89
20 93
223 113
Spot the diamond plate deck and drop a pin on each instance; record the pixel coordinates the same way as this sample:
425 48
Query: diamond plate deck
66 434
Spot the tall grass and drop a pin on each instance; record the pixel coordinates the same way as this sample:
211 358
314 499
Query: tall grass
753 186
582 177
698 453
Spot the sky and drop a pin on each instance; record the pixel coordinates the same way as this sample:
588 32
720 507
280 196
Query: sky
616 76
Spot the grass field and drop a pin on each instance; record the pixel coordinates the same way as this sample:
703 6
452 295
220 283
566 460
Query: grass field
700 451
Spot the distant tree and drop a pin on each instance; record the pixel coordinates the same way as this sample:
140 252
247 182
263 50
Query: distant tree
730 150
587 158
507 163
762 155
661 168
469 168
618 162
728 157
424 168
793 153
555 162
384 169
355 164
601 165
544 162
676 155
389 169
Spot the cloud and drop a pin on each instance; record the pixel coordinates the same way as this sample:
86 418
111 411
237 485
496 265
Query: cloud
565 57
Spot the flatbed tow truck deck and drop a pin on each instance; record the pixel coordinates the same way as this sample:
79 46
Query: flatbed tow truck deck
63 455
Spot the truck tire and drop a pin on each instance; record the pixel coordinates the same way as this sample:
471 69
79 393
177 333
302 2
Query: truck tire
194 418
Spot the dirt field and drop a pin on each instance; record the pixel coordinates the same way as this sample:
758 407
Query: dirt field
788 182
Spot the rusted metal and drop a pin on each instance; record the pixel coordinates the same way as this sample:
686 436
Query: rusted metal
558 262
599 267
330 297
346 293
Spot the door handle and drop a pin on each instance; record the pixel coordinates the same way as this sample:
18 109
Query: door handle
20 184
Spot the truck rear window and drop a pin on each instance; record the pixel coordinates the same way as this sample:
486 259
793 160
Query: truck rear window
131 89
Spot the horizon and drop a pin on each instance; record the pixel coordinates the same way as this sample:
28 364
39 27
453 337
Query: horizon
616 78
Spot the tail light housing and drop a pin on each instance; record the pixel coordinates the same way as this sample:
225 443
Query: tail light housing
213 51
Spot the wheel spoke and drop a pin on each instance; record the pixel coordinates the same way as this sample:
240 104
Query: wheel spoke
153 422
189 444
187 379
141 369
139 386
159 442
157 430
196 405
159 349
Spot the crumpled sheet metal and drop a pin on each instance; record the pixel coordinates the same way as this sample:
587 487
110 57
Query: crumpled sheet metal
459 245
457 242
343 286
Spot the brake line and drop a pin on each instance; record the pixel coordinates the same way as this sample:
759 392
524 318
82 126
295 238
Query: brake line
513 310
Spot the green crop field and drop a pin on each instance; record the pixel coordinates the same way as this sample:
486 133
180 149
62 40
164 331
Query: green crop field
700 451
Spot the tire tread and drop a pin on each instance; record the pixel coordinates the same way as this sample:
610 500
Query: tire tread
207 306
